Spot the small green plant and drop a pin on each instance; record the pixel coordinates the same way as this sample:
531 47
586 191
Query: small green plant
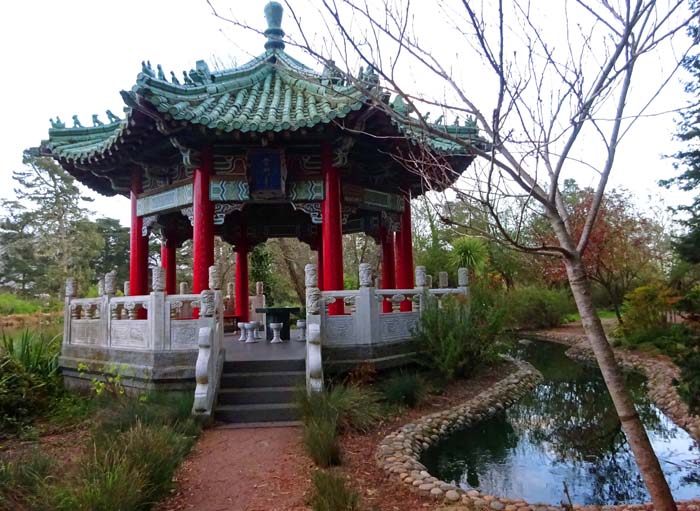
403 389
36 353
330 493
321 441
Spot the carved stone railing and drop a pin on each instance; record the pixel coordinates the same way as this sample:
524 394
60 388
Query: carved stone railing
363 323
155 323
210 358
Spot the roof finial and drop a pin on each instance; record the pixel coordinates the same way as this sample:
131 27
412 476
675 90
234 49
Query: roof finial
274 32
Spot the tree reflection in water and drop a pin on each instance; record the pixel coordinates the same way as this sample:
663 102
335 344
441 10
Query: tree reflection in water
565 430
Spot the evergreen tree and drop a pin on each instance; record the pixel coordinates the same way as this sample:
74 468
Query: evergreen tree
688 245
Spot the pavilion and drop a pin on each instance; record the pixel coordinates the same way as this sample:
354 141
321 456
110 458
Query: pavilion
268 149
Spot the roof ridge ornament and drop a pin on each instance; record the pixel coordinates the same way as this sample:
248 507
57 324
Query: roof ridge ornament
274 32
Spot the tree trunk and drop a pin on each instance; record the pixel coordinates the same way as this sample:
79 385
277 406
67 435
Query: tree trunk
646 459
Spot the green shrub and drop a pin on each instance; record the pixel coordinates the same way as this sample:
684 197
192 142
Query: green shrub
461 335
321 441
535 307
645 313
331 494
13 304
404 389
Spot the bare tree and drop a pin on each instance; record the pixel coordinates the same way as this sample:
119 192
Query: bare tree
549 87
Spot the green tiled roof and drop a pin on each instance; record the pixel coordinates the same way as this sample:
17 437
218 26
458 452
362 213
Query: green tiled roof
271 93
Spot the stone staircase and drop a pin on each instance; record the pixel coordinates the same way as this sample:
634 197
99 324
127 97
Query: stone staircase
259 392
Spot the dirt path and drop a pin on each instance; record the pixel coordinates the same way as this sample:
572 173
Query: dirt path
252 469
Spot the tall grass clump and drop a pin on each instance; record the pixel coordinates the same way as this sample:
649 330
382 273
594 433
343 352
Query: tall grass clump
462 334
325 414
131 458
331 494
404 389
20 479
28 379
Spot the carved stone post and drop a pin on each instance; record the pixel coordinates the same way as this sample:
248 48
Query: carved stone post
206 299
442 280
314 363
183 288
429 281
157 315
70 293
214 277
127 288
111 283
421 281
101 287
186 309
366 308
463 280
158 279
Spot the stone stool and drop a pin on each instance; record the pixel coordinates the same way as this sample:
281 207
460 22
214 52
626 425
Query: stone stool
276 328
250 330
255 326
301 325
242 326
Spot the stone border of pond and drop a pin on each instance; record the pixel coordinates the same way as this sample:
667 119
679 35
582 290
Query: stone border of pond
398 454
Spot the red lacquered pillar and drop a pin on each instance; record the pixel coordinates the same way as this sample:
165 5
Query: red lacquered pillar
168 262
203 228
388 271
319 262
404 255
138 244
331 228
241 278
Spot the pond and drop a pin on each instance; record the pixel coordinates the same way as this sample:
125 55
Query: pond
565 430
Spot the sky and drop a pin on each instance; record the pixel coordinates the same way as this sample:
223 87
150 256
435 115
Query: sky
74 56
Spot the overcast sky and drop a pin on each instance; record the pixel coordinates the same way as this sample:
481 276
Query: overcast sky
74 56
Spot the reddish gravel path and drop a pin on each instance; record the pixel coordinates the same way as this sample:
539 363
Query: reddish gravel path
252 469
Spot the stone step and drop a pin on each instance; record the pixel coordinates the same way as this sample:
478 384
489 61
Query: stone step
262 395
261 366
240 380
252 413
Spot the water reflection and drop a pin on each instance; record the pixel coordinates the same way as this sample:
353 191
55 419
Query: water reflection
566 429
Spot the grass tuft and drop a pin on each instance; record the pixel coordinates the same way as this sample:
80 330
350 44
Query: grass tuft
321 441
404 389
331 494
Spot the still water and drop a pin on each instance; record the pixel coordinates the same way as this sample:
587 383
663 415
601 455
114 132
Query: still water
565 430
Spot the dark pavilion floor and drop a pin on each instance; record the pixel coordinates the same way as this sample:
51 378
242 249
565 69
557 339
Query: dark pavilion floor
263 350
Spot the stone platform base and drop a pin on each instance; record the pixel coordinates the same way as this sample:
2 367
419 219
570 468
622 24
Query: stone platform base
383 356
138 370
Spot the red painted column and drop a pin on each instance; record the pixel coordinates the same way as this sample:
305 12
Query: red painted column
138 247
203 230
388 271
168 252
319 262
331 228
404 255
241 278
